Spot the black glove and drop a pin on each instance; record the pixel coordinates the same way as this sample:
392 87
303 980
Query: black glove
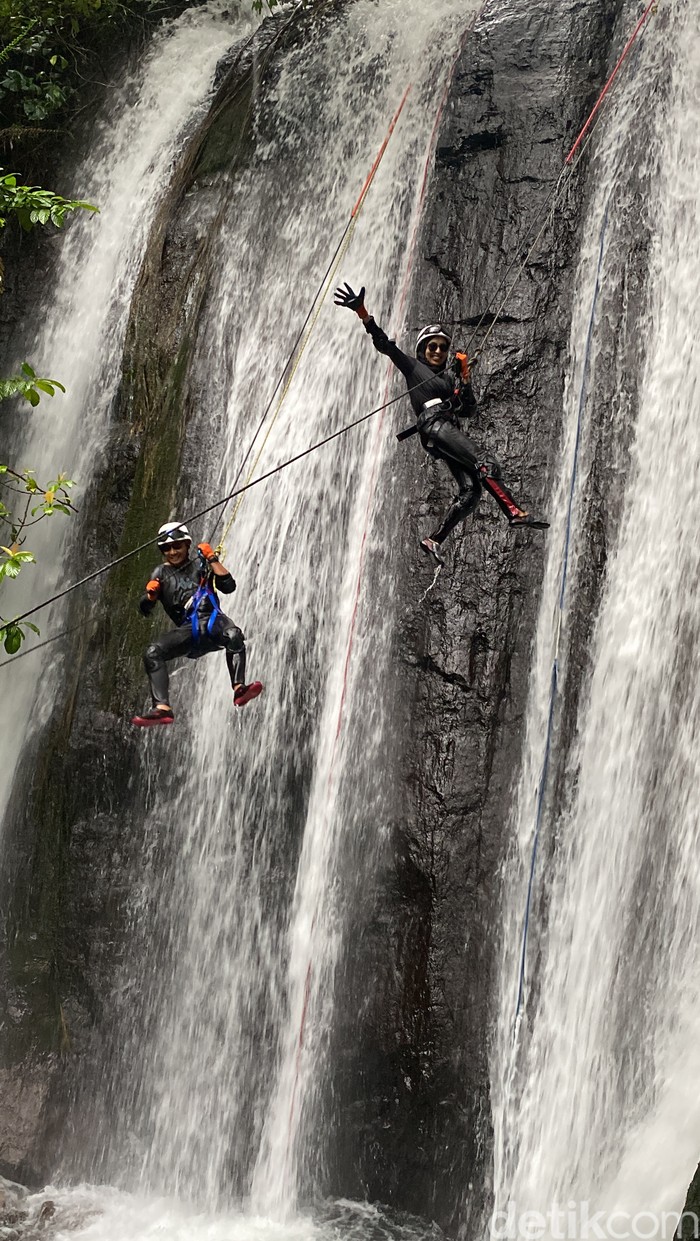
146 604
347 297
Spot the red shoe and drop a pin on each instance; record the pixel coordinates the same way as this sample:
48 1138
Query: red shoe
246 693
155 716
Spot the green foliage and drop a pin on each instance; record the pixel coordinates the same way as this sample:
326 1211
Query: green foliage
29 502
28 385
32 205
52 47
12 634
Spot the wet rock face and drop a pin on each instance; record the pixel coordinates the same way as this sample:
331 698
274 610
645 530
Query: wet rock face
415 1127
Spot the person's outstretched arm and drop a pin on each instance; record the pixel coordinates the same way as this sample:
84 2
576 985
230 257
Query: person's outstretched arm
356 301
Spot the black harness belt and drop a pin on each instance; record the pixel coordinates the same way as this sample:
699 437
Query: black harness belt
438 407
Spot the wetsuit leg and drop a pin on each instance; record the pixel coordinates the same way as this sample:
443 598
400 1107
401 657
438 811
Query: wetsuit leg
447 443
454 447
464 502
168 646
505 501
235 654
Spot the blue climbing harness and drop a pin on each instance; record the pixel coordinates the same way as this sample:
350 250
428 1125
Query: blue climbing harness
204 591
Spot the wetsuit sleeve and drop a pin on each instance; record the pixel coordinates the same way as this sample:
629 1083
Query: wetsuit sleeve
467 401
147 605
382 344
225 583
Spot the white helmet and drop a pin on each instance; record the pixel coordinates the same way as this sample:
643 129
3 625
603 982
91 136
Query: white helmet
433 329
173 532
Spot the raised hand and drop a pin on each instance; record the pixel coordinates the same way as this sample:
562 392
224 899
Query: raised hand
348 297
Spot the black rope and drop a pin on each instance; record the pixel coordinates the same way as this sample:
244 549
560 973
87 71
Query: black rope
210 508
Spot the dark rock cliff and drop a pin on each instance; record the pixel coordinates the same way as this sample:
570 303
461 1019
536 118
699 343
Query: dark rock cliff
408 1099
417 1088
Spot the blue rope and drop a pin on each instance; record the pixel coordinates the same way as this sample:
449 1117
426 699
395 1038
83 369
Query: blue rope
542 786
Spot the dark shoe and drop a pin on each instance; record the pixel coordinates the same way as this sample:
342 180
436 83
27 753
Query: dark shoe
156 715
524 519
433 549
246 693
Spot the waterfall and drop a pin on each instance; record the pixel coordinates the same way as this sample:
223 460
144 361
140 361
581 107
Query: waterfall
268 810
132 154
594 1100
259 827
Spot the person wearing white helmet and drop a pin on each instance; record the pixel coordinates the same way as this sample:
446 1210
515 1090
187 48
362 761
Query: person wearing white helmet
441 395
187 588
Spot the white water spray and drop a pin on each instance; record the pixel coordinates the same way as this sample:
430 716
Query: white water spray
136 143
597 1104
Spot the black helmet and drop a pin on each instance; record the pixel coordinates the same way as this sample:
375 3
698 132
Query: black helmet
433 329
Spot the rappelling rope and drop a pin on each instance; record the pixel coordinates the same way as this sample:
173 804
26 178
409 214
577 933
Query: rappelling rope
551 203
312 318
554 681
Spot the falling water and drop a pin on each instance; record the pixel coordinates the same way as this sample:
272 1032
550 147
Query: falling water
132 154
226 1095
595 1101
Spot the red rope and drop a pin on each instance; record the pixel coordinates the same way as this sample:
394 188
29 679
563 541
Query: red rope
651 8
378 160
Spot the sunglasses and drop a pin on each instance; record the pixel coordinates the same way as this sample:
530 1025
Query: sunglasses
437 346
173 547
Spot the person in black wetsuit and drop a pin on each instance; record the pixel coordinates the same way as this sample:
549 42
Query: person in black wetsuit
440 397
186 586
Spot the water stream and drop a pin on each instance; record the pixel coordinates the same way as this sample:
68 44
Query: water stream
595 1102
218 1073
136 142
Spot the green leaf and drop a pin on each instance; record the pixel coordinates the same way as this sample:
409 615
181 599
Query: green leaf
28 370
32 396
13 639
